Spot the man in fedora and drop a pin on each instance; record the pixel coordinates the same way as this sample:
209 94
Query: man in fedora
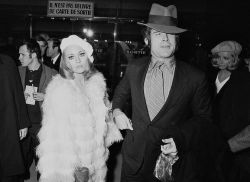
170 106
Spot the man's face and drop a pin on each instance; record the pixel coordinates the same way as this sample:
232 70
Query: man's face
162 45
51 52
43 46
25 57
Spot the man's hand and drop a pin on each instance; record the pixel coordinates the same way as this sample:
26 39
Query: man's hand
121 120
169 147
38 96
22 133
240 141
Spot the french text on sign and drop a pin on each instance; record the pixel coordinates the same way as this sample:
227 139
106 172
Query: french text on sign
71 9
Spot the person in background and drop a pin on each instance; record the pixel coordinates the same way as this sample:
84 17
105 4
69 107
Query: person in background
53 53
171 107
44 35
8 47
247 63
43 47
232 110
76 128
35 77
246 57
14 121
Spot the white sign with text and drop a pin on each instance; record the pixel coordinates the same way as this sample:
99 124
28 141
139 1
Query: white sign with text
70 9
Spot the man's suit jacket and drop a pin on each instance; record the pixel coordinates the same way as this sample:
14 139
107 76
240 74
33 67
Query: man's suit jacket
185 116
48 62
13 117
46 76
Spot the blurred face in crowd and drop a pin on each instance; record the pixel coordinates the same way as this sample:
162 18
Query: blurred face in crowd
247 61
51 51
76 59
163 45
43 46
223 60
25 57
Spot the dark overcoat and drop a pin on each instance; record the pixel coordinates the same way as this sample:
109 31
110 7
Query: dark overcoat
48 62
232 116
13 117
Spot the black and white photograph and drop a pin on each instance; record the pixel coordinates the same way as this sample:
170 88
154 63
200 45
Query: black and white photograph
124 91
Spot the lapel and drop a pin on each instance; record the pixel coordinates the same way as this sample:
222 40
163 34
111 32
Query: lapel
42 79
224 89
175 91
57 63
22 72
141 75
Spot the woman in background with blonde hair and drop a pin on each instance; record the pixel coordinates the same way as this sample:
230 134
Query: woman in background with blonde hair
232 111
76 127
226 59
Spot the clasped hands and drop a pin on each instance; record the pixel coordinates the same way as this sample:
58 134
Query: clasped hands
123 122
36 95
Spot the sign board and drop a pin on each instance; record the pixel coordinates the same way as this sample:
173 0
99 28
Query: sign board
136 52
70 9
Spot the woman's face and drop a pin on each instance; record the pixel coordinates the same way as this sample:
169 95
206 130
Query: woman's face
76 59
223 60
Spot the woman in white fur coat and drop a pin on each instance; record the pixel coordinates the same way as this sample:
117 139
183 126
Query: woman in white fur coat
76 128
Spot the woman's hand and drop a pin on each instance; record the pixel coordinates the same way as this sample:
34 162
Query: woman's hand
121 120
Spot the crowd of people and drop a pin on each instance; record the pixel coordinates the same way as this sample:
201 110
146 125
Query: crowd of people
56 111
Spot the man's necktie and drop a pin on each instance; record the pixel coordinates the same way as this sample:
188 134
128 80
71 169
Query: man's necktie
156 99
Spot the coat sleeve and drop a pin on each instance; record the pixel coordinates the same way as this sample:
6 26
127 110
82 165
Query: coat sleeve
113 133
55 151
122 92
241 105
240 141
23 118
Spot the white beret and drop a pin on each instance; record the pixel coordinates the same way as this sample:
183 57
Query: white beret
75 40
227 46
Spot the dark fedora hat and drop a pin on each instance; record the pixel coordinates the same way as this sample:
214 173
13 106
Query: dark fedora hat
163 19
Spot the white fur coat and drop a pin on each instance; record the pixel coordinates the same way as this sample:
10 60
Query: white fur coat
75 130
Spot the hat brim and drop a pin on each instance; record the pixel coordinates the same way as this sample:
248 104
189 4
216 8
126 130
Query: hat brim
164 28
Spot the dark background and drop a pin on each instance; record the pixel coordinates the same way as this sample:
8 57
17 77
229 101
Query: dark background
213 20
208 21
